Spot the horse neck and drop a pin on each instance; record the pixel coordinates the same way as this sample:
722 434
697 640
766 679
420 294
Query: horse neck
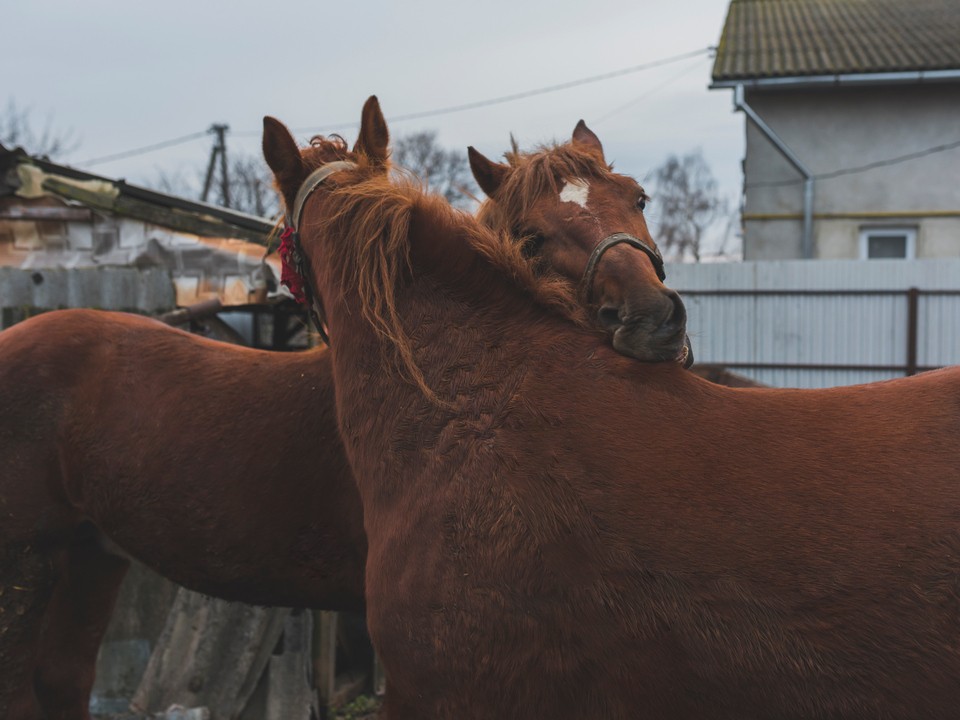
495 360
474 334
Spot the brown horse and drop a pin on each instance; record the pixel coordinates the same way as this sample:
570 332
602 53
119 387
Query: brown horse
603 219
124 438
565 533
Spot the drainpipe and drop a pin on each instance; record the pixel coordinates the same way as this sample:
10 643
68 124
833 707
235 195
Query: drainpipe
806 241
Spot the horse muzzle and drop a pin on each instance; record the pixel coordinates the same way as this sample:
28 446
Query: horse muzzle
638 342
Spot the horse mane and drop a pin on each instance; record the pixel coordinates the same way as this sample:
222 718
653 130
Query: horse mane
534 173
377 212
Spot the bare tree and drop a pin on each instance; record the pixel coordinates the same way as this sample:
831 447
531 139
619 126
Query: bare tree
251 189
443 171
251 184
688 204
18 129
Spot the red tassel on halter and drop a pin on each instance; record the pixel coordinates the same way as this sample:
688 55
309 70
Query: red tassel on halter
290 270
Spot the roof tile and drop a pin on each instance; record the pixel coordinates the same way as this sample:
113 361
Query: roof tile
790 38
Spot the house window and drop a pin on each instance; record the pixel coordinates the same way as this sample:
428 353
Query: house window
888 243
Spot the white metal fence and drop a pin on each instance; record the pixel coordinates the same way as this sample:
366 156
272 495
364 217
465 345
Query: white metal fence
819 323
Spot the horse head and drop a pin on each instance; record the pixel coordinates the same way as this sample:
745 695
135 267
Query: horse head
298 174
580 219
291 167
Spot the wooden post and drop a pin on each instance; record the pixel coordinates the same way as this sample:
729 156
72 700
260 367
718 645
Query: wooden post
379 677
325 657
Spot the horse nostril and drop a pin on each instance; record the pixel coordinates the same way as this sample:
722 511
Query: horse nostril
609 317
676 316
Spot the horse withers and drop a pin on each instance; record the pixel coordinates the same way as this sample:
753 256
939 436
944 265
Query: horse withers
566 533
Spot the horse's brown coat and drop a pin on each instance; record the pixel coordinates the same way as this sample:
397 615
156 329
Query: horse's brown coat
565 533
199 459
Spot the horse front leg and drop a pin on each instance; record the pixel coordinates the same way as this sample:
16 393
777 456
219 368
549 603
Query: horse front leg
26 580
76 620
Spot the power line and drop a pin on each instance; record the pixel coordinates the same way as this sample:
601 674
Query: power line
647 93
862 168
508 98
422 114
146 149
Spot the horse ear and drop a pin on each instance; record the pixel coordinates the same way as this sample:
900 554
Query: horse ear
488 174
374 136
585 138
282 155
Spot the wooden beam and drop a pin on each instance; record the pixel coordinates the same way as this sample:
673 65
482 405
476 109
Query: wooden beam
140 210
325 656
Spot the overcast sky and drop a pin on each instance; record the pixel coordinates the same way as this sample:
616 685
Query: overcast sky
123 75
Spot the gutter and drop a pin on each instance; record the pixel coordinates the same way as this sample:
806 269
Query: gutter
806 239
842 79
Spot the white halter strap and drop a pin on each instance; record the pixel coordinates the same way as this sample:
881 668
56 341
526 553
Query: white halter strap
313 181
298 259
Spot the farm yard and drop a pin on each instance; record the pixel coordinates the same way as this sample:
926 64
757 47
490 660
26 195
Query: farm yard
356 425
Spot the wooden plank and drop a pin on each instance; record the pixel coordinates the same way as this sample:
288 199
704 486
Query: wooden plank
291 695
212 653
325 657
379 678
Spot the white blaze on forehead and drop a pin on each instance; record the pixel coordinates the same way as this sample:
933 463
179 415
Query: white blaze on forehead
576 191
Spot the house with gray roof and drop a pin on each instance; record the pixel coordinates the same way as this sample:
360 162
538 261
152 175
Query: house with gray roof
852 114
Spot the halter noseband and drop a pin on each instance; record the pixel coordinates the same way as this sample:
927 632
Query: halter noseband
291 250
586 283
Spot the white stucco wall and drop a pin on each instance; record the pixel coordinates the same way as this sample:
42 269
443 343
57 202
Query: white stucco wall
840 128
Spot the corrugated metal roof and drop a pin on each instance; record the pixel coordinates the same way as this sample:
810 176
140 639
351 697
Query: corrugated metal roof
797 38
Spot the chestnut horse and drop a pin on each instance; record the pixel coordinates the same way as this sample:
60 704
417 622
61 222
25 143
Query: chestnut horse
566 533
122 437
603 219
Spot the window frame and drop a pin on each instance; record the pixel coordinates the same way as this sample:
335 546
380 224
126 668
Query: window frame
910 232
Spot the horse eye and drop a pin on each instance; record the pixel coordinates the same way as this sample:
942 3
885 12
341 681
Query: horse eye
533 245
642 203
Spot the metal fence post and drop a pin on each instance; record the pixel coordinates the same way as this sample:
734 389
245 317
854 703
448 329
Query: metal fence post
913 303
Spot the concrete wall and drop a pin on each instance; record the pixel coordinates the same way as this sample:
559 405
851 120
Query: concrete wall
839 128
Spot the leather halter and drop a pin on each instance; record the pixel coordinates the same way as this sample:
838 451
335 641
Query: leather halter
586 283
299 260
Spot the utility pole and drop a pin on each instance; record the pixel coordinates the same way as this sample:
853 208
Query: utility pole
219 148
